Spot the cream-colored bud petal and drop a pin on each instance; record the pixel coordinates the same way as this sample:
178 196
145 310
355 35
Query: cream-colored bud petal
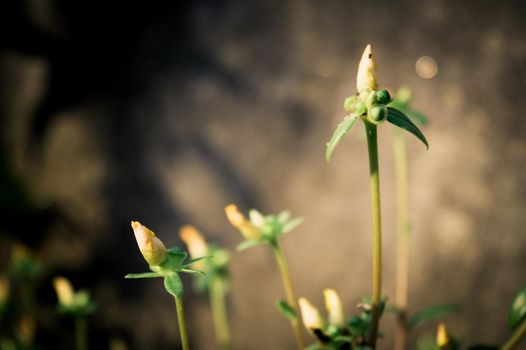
311 315
196 244
152 248
442 336
366 77
247 229
334 308
64 290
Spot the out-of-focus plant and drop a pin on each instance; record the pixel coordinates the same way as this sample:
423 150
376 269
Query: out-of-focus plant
517 320
166 264
76 304
265 230
216 281
370 106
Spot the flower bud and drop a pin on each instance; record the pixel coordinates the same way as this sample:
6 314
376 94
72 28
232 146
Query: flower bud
311 316
151 247
359 108
366 78
334 308
348 104
377 114
64 290
443 339
247 229
383 96
195 242
4 289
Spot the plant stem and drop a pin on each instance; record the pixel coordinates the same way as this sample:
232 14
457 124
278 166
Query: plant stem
516 337
402 271
81 332
217 295
182 323
289 291
372 146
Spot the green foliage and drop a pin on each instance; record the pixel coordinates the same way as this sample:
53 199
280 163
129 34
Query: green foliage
169 270
286 310
340 132
270 228
430 314
396 117
81 305
517 312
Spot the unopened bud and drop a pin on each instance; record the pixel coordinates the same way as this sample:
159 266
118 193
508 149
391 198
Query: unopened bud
4 289
151 247
195 242
64 290
377 114
366 78
247 229
334 308
311 316
443 339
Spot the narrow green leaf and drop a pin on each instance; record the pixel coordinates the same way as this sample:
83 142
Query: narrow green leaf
249 243
291 225
394 116
143 275
283 217
191 261
339 134
173 284
431 313
286 310
518 309
195 272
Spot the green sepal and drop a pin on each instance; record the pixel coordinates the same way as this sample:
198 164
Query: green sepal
249 243
339 134
191 271
431 313
286 310
142 275
176 257
191 261
517 309
291 225
173 284
395 117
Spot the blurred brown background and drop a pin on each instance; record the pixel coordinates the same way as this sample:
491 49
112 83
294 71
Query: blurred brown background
164 112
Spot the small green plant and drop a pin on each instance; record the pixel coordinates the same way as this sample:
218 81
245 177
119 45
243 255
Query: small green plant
215 284
265 230
76 304
167 264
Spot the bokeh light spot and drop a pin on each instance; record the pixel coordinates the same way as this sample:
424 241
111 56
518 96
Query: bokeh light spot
426 67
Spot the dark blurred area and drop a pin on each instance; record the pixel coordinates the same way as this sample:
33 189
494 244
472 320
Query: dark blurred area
166 111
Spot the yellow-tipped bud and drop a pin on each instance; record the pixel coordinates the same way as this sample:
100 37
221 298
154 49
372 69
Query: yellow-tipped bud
195 242
334 308
311 316
4 289
151 247
26 329
247 229
64 290
443 339
366 78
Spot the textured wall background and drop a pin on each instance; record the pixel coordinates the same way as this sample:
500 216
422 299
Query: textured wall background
165 112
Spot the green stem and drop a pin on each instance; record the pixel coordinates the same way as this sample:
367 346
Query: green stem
516 337
289 292
402 272
81 332
217 295
372 145
182 323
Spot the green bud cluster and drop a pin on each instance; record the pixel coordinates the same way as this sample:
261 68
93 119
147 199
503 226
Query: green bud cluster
369 104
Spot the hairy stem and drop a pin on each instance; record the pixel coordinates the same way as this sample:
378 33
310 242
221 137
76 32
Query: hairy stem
219 311
289 292
516 337
372 145
81 332
179 306
402 266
